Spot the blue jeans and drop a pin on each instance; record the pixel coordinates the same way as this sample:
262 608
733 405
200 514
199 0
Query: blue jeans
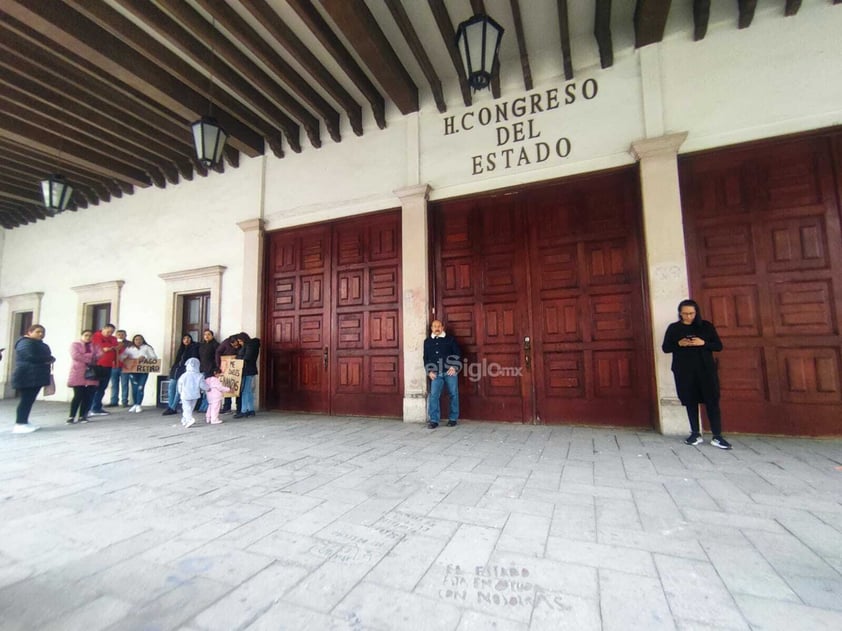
247 394
173 397
138 380
120 383
433 401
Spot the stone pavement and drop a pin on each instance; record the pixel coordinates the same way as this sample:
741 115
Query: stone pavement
288 521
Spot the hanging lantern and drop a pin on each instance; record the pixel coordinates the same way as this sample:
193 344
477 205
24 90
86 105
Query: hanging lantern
57 193
478 41
209 139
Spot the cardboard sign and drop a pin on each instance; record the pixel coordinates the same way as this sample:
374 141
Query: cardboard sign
232 374
141 365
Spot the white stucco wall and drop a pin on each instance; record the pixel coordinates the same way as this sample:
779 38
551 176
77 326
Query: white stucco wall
779 76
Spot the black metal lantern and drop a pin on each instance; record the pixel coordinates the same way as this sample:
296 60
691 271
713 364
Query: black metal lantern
209 139
57 193
478 41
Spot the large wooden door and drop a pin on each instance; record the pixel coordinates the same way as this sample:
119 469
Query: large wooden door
765 256
333 313
543 290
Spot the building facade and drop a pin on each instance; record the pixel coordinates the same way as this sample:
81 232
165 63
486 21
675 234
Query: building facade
554 231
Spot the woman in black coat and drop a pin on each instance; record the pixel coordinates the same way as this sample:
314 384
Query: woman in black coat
32 372
692 342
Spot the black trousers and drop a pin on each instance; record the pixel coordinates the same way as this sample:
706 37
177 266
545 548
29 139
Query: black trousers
27 398
714 416
82 397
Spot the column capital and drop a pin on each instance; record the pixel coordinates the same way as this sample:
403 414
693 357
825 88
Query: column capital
667 145
252 225
416 191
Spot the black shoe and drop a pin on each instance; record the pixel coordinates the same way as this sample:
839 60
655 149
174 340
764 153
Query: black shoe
451 423
250 413
241 415
718 441
432 425
694 439
228 411
70 421
110 405
168 412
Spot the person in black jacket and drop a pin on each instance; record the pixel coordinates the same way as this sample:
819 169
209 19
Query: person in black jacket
248 349
33 360
442 360
186 350
207 361
692 342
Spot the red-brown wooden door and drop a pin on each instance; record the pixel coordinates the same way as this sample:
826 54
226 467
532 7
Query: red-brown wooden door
765 256
333 312
560 266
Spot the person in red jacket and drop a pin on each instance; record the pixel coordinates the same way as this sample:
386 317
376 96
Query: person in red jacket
106 350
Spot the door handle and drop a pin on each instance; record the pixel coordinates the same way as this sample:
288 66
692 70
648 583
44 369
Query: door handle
527 352
324 357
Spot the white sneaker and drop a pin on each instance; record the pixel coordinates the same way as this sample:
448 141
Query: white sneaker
24 428
131 409
189 422
138 409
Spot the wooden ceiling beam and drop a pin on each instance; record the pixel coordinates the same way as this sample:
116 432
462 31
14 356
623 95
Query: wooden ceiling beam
317 25
564 31
650 20
523 49
398 12
602 32
186 29
82 82
448 36
48 143
361 30
226 17
69 29
23 106
284 35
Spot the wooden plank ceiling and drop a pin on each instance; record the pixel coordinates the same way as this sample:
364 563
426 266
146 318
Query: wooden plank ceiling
104 91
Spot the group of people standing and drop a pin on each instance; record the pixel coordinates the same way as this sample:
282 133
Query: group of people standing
194 377
197 383
97 360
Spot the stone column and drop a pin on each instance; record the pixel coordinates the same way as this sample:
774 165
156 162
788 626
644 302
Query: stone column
252 306
666 260
415 281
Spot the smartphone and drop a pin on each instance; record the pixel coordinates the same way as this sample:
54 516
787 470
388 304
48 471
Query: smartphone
689 337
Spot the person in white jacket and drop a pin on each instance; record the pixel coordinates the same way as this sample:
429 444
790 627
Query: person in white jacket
190 387
138 349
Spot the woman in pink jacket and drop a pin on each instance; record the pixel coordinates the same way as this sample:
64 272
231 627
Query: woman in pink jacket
82 354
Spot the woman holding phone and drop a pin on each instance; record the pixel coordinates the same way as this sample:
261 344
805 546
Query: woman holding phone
692 342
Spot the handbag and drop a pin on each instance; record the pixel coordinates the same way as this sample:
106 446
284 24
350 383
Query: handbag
90 373
50 388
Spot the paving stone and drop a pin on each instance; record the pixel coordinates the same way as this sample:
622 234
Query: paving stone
629 601
300 522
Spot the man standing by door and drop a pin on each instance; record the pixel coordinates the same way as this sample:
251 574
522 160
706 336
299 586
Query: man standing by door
442 360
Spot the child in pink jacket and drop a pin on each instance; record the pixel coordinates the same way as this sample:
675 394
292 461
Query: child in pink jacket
215 389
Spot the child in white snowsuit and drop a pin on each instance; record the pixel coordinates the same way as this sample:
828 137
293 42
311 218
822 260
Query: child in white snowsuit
215 390
190 386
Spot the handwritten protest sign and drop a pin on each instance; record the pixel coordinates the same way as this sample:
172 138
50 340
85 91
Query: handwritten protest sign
141 365
232 374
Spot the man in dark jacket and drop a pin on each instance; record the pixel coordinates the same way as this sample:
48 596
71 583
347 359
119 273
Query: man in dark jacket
442 360
248 349
207 361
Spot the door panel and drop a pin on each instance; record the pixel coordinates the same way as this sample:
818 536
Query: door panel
334 315
763 242
559 267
